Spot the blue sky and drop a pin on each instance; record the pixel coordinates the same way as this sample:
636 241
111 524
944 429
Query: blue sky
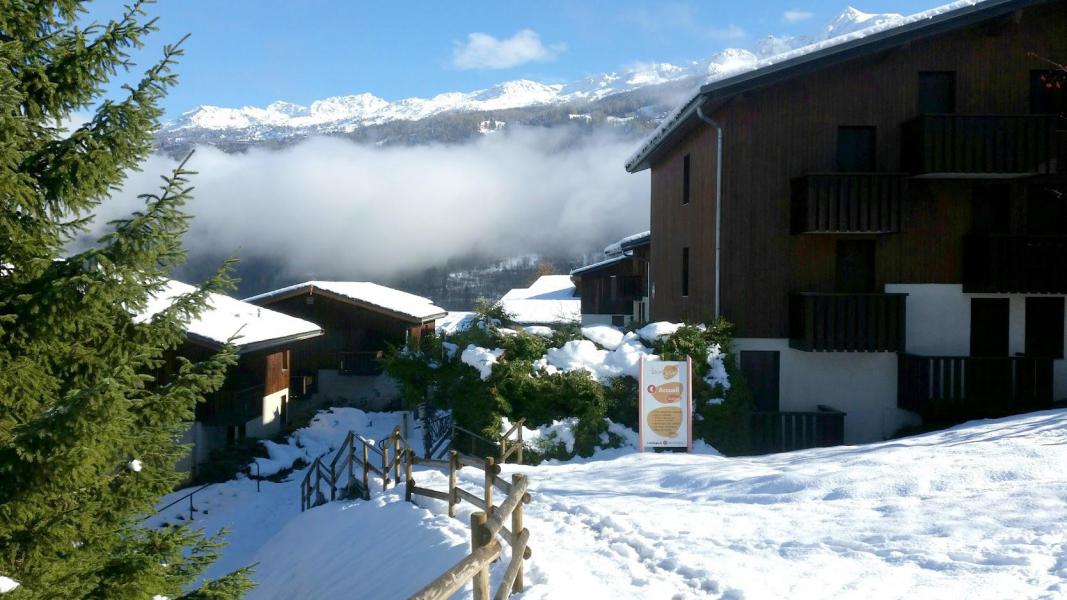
256 51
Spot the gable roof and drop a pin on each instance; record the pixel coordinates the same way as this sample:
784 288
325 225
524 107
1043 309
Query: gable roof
253 327
961 13
364 294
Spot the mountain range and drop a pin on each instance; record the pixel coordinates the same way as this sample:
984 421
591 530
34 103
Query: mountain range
633 99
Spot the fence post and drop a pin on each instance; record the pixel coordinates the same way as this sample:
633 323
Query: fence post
516 529
351 457
385 467
333 482
396 454
481 578
453 466
522 423
366 468
489 474
409 484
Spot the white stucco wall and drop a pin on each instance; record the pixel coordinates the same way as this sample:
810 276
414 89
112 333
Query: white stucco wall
269 423
861 384
939 324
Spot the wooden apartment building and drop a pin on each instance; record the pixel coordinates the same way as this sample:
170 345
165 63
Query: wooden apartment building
614 291
884 220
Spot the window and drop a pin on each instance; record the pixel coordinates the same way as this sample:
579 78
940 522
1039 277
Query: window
614 287
989 326
685 179
937 92
685 271
1044 327
855 149
285 360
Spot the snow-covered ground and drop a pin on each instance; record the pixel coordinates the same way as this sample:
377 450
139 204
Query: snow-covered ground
978 511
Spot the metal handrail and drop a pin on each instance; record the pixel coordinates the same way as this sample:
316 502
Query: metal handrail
189 496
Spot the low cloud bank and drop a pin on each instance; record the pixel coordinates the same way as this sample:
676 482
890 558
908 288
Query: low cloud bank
331 205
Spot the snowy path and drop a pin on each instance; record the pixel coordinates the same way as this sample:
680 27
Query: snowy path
979 511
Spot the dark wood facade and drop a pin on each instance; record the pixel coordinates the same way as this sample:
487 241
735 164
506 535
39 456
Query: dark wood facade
354 336
780 141
256 375
613 288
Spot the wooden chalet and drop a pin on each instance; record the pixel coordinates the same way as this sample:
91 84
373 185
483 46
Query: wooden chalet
883 218
614 291
360 320
254 400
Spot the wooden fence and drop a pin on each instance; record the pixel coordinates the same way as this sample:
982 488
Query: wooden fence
354 451
486 525
480 445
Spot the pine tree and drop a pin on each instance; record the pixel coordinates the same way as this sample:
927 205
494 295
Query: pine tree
78 404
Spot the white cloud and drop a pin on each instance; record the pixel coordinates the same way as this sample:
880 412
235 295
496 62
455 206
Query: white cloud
796 16
332 206
483 51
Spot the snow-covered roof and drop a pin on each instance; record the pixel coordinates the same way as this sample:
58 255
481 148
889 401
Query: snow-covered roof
599 264
629 242
224 317
885 34
551 299
365 294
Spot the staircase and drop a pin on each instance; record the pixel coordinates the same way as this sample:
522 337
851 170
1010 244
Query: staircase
334 477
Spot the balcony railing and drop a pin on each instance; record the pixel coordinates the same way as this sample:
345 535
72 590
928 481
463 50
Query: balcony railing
232 406
848 202
847 322
1015 264
788 431
970 387
359 363
988 144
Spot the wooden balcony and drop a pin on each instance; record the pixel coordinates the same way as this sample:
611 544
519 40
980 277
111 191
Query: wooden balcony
979 145
232 406
848 202
847 322
955 388
359 363
1015 264
788 431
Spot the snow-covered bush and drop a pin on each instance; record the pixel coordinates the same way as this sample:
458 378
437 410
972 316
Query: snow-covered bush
581 377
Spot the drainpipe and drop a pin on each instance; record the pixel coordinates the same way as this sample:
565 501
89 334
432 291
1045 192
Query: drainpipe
718 205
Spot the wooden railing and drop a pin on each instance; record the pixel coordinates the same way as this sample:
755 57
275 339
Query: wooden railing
970 387
486 525
354 451
979 144
359 363
848 202
847 322
788 431
1015 264
510 442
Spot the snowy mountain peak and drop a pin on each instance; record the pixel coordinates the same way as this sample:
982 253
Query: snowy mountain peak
281 120
852 19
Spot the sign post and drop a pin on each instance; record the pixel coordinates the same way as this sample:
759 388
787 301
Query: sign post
665 404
